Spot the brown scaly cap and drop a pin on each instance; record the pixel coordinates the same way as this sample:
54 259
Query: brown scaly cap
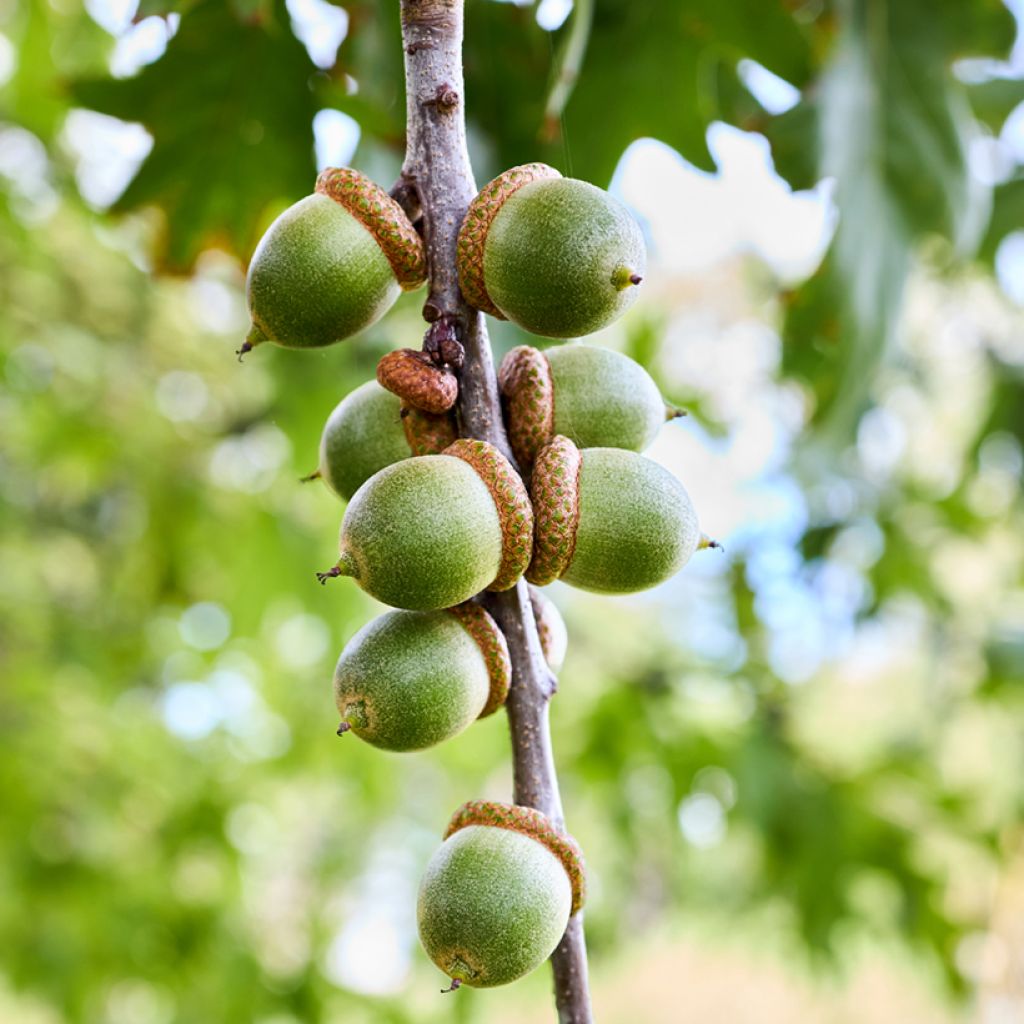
493 646
525 381
511 501
556 508
532 823
382 217
427 433
473 233
417 381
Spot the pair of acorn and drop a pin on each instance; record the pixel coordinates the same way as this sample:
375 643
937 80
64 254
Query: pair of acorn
557 256
429 532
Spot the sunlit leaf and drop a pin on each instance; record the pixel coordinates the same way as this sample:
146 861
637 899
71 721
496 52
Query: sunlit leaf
230 107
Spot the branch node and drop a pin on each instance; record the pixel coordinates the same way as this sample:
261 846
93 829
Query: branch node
446 99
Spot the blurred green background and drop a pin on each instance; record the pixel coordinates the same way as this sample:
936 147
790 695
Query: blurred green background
797 769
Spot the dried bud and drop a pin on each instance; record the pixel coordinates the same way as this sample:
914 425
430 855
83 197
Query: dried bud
442 344
413 377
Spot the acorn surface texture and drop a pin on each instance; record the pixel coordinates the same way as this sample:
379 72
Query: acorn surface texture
332 264
409 680
557 256
608 520
367 431
497 895
432 531
597 397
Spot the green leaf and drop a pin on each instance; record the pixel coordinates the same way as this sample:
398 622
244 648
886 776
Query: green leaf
246 10
993 101
685 81
1007 216
794 137
230 107
51 45
678 88
371 54
972 28
161 8
893 126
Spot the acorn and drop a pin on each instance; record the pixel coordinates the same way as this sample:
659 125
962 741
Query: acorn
608 520
369 430
497 895
594 396
409 680
432 531
557 256
332 264
554 637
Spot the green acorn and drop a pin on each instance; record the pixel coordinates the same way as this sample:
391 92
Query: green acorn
432 531
369 430
409 680
332 264
608 520
557 256
594 396
554 637
497 895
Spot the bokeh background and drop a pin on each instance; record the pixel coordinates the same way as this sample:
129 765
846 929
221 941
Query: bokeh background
797 769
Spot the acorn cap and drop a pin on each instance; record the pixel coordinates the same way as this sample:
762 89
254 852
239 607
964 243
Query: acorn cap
473 233
417 381
511 501
528 822
525 381
382 217
427 433
556 509
493 646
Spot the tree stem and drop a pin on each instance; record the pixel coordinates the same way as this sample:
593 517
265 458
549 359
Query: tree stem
438 172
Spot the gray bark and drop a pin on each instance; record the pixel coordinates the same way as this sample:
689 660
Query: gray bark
438 180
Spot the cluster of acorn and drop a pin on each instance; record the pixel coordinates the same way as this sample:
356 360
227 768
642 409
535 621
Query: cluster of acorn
433 520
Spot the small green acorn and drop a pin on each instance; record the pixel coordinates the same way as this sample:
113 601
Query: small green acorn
332 264
369 430
608 520
554 637
409 680
432 531
557 256
594 396
497 895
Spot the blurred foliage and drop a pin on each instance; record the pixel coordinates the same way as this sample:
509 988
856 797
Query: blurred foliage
184 837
